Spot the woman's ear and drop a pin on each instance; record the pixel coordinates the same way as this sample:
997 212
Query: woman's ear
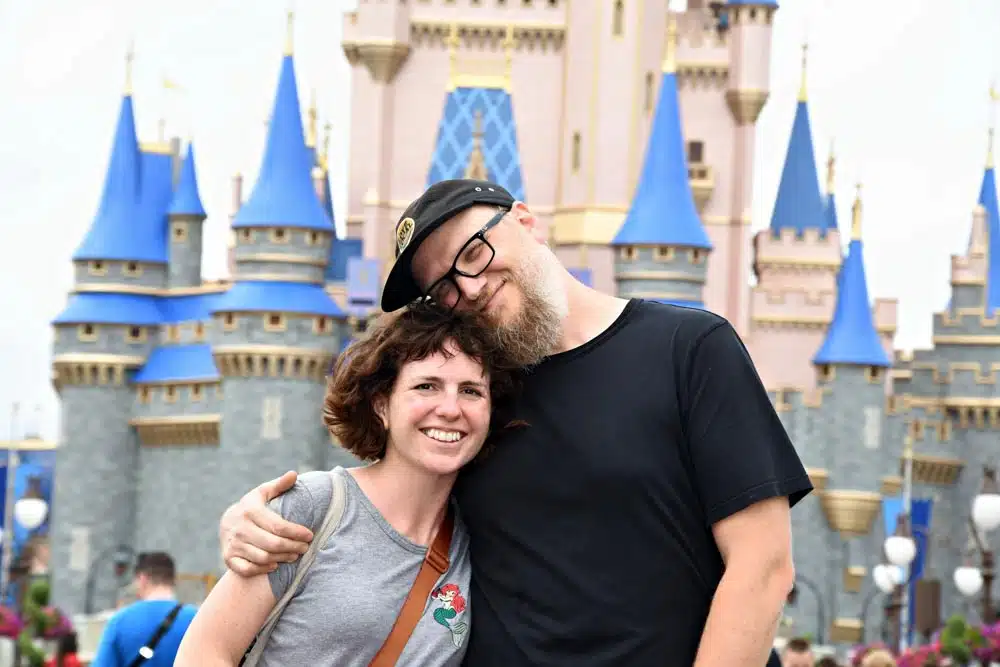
382 410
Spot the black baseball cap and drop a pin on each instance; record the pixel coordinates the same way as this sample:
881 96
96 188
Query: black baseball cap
439 203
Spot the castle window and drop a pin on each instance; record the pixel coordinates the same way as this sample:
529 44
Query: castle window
274 322
874 374
196 392
697 255
526 3
246 235
321 325
826 372
144 395
575 154
173 333
135 335
199 331
270 418
618 19
627 252
279 235
663 253
86 333
229 322
97 268
696 152
132 269
180 232
312 238
170 394
553 3
650 92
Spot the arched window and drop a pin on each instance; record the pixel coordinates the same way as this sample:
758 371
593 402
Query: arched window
618 19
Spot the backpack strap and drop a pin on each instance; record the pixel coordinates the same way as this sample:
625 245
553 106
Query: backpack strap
331 521
148 649
435 564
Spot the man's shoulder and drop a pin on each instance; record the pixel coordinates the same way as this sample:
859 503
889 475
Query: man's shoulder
681 324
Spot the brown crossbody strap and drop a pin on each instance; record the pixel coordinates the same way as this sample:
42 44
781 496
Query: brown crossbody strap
435 564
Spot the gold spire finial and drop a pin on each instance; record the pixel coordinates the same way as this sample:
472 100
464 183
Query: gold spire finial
830 165
670 51
311 113
290 34
802 87
856 216
994 103
477 162
324 154
129 59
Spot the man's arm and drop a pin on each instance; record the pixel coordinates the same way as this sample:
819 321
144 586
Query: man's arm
226 622
106 654
255 539
747 475
756 547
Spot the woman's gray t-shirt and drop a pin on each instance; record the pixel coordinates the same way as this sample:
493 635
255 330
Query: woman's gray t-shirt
354 590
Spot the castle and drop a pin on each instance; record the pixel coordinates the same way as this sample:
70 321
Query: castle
630 133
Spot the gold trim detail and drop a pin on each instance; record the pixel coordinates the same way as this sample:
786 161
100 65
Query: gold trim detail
99 370
851 512
891 485
29 445
274 362
746 105
854 577
382 58
935 469
488 35
819 477
178 430
846 631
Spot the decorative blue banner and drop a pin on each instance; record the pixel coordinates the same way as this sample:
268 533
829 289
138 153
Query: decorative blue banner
921 510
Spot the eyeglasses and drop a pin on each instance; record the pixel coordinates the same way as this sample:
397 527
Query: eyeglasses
472 259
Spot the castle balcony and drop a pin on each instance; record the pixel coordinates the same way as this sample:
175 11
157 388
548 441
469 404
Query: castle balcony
702 180
808 251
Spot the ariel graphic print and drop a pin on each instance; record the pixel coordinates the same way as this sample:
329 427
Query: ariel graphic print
450 605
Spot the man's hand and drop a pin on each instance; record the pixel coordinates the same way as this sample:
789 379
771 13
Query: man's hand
255 539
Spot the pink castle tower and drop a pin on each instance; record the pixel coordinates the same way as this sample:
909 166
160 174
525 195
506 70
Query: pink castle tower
559 104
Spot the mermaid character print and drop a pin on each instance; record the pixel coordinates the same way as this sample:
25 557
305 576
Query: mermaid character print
450 605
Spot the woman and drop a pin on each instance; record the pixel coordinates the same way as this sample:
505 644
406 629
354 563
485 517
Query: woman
414 399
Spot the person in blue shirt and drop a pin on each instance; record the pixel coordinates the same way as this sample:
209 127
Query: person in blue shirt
129 633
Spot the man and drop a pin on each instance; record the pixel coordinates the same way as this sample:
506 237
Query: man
642 516
151 627
797 653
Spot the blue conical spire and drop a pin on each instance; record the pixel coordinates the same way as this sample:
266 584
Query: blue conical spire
852 338
284 194
798 204
663 210
187 199
112 234
988 200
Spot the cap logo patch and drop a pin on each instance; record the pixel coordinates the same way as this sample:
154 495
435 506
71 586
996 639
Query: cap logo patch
404 233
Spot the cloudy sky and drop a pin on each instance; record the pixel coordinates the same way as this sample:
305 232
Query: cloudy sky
901 87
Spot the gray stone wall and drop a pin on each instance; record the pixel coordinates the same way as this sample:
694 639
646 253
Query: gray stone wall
253 329
94 493
185 253
660 272
282 251
110 339
118 273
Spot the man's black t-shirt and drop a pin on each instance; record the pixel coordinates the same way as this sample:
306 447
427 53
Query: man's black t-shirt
591 526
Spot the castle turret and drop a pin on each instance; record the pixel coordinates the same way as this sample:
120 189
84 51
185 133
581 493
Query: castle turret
275 331
101 336
853 367
662 248
186 217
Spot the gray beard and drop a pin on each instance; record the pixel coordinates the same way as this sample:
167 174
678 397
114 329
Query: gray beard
534 334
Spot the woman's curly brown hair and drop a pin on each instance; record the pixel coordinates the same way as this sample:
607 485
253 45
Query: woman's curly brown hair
367 370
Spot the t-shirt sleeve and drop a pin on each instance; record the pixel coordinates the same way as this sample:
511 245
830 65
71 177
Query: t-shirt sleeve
739 451
305 504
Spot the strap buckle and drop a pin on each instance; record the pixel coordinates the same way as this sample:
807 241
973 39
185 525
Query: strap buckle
437 560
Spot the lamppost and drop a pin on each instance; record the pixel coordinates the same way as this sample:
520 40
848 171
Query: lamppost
793 596
123 555
969 579
894 578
